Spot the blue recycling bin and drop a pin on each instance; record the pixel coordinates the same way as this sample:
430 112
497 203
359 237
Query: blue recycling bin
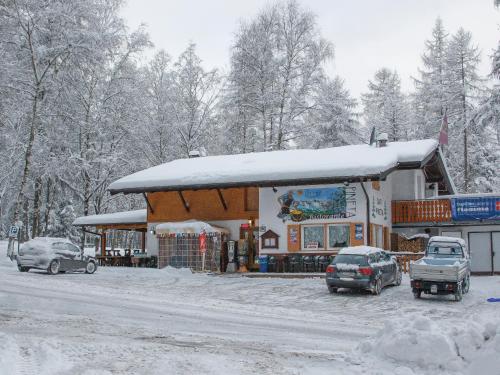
263 262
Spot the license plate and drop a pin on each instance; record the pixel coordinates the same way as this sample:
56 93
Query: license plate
346 274
434 289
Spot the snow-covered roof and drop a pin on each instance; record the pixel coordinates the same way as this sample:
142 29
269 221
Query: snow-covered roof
447 239
189 226
277 167
359 250
124 217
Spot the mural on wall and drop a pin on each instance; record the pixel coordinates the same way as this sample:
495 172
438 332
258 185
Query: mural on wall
314 204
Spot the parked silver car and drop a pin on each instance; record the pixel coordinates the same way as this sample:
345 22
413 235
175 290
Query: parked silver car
53 255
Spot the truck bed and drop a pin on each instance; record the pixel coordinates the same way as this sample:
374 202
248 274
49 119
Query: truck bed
433 269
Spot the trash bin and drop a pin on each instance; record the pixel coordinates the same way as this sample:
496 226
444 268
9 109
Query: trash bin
263 263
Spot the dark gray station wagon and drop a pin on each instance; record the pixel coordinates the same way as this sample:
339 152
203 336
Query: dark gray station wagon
363 267
54 255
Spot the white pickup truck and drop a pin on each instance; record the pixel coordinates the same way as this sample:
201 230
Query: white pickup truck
445 268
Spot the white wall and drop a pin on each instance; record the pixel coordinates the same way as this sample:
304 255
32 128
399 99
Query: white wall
380 202
405 184
269 208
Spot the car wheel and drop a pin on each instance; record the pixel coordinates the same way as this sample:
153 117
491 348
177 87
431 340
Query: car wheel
22 269
377 287
53 267
90 268
417 294
332 289
399 277
458 293
467 284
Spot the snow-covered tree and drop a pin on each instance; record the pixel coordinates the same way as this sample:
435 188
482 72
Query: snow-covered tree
333 121
462 59
195 97
386 107
276 67
430 99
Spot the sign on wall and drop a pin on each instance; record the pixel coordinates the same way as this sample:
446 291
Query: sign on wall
314 204
379 207
475 208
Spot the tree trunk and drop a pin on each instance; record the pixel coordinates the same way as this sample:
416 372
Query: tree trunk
35 230
49 199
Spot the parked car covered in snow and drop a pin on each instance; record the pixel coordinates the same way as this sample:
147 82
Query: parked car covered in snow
54 255
445 268
363 267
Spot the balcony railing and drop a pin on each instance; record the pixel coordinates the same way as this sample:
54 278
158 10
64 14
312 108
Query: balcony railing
424 211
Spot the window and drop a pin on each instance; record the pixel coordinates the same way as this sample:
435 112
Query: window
313 237
338 235
73 248
360 260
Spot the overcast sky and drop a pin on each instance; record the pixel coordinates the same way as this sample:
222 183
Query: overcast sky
367 34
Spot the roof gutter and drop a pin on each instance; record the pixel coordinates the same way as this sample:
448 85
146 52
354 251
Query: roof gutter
265 183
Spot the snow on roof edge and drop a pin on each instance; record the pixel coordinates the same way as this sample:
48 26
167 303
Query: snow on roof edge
122 217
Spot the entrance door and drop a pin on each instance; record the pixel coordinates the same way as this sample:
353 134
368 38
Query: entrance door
480 251
495 238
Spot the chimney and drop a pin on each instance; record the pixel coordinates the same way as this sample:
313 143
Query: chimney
382 140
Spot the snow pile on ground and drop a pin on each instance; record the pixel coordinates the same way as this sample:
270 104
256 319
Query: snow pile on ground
9 357
466 347
176 272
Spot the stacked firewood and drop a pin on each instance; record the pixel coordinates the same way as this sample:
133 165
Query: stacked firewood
413 245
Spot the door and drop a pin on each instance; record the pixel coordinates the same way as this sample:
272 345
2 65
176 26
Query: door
389 268
495 238
480 252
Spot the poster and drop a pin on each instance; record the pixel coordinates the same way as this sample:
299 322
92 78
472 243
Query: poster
358 232
314 204
475 208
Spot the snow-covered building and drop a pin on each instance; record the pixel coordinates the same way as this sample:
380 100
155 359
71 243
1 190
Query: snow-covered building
305 201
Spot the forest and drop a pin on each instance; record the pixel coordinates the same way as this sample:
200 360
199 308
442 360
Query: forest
81 105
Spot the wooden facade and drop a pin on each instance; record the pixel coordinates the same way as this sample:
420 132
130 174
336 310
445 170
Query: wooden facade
205 205
421 211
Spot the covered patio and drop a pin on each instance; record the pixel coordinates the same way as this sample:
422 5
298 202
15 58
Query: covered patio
119 238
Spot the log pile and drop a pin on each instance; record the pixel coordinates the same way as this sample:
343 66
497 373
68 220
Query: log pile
414 244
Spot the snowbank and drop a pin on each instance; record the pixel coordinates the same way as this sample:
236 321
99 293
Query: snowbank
466 347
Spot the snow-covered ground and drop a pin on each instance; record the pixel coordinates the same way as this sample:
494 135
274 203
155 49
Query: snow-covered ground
146 321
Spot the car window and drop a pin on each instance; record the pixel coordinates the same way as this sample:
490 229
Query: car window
360 260
445 251
59 246
73 248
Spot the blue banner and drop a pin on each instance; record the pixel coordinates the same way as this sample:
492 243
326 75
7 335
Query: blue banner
475 208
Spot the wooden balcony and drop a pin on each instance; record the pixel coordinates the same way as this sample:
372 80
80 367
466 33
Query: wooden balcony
423 211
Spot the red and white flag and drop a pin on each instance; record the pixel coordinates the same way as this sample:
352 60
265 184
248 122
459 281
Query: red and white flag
443 134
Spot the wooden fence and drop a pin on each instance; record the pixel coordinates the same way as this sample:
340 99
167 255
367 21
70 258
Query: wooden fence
404 259
422 211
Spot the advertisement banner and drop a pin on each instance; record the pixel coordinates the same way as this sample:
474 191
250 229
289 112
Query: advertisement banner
475 208
322 203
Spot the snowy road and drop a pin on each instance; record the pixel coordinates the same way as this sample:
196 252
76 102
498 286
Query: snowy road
145 321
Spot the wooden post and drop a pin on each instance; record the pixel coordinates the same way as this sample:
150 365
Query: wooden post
143 243
103 243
